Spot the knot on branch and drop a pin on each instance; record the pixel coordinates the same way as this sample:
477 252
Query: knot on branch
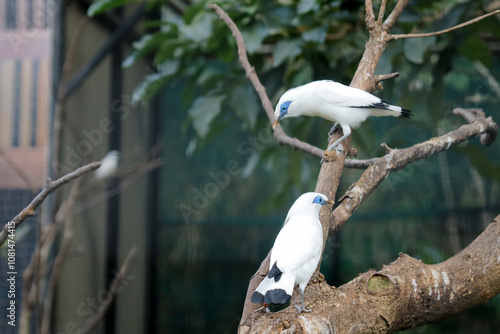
379 284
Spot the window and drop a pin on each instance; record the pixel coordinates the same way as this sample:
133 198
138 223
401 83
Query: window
11 14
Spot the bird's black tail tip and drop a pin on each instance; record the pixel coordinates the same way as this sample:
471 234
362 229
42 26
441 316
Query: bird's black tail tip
257 298
277 297
405 114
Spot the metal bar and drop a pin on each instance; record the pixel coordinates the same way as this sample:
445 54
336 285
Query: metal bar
75 81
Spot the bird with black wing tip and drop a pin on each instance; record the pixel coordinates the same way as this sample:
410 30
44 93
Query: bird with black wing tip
295 254
346 106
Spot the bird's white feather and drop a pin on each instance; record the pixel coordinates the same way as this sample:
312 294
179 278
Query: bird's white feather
109 165
296 251
334 102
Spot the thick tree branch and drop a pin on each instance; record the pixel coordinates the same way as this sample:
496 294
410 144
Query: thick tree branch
369 16
50 187
347 312
397 159
405 294
440 32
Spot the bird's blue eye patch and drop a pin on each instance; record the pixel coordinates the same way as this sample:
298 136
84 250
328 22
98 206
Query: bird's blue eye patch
318 199
284 109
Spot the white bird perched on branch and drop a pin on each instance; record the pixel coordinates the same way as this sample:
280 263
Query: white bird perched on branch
346 106
295 254
109 165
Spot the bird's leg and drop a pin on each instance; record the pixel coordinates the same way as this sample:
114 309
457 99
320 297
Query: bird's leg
302 307
264 307
346 129
332 130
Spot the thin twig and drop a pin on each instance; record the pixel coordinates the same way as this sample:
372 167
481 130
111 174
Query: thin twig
60 257
383 77
50 187
113 290
279 134
435 33
470 115
381 12
395 14
485 72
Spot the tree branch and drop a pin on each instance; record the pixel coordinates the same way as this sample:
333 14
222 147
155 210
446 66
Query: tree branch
279 134
50 187
395 14
397 159
381 12
470 115
383 77
369 16
440 32
60 257
405 294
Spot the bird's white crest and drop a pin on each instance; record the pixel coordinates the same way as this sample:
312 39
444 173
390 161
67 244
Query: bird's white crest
345 105
296 252
109 165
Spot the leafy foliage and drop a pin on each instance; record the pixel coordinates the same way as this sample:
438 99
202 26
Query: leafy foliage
292 42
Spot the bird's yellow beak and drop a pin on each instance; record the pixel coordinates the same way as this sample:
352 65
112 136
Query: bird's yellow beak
330 201
276 121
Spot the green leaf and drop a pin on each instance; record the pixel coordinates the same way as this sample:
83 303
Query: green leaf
475 48
147 44
100 6
285 49
154 82
246 106
415 48
317 35
199 30
458 81
203 112
254 36
306 6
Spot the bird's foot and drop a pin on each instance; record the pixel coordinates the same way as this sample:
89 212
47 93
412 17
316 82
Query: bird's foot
332 130
302 309
336 148
265 307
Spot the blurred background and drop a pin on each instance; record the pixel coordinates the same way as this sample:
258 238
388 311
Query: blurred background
200 188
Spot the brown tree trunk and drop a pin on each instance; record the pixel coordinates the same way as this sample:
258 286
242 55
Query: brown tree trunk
404 294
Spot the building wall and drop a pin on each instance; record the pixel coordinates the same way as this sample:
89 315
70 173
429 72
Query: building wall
84 138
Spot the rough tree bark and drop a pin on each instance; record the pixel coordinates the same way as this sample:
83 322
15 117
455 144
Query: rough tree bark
406 293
